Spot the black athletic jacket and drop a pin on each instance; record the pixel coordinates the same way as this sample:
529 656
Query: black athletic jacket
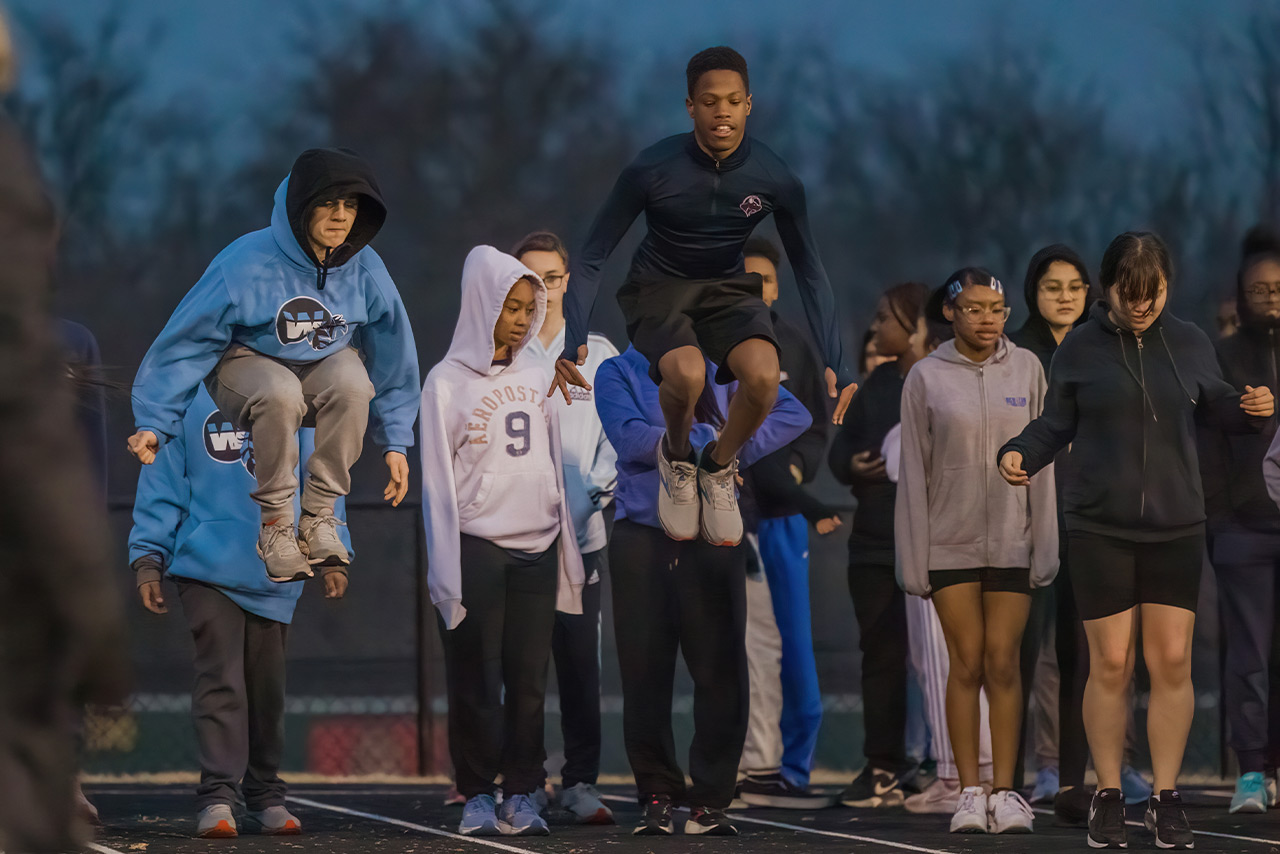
776 491
700 212
875 409
1250 357
1128 408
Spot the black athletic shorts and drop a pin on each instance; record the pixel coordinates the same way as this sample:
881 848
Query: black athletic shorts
994 579
1111 575
714 315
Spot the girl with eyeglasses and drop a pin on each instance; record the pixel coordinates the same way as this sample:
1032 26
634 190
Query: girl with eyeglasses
1126 390
968 540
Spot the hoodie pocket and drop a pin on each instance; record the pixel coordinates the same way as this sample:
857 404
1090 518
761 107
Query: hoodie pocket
475 501
956 507
513 505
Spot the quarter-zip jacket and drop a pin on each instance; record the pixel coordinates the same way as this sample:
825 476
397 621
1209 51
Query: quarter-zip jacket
953 509
1250 357
700 212
1128 405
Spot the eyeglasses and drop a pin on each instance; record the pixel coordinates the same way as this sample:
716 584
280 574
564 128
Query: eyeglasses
1262 289
976 312
1057 290
554 282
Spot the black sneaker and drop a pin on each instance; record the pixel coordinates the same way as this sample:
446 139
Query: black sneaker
874 788
709 821
1168 821
773 791
1106 820
1071 807
657 817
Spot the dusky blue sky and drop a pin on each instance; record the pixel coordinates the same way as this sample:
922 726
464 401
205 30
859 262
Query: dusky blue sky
224 56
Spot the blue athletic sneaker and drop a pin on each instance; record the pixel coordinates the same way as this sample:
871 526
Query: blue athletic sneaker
1046 788
479 817
1135 787
1251 794
518 816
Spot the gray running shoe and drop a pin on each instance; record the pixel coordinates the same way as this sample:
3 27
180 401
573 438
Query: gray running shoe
216 822
479 817
273 821
518 816
677 496
318 539
278 548
721 519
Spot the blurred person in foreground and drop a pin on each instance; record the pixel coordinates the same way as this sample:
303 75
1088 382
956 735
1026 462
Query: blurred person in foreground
61 634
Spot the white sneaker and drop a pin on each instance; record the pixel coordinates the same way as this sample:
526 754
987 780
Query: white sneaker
939 797
971 811
678 506
1008 813
721 518
583 801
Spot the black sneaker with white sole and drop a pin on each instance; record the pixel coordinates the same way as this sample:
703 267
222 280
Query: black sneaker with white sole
874 788
1106 820
709 821
773 790
1168 821
657 817
1071 807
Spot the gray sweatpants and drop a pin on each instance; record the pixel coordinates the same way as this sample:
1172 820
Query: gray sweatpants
271 399
237 703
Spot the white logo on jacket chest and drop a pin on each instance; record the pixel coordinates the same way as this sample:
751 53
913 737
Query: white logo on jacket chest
308 319
225 444
751 205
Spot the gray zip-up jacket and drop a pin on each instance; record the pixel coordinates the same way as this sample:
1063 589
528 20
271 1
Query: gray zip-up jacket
954 510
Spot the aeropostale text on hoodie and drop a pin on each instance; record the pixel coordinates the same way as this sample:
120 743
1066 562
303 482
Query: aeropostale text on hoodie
490 444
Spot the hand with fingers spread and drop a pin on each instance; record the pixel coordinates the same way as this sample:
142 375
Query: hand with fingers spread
398 485
843 396
567 374
1011 469
1258 402
144 445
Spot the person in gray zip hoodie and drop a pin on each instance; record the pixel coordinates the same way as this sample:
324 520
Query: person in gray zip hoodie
968 539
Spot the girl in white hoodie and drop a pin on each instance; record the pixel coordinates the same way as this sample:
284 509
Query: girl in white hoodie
967 539
502 555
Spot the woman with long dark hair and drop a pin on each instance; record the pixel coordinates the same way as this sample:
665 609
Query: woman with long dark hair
1125 391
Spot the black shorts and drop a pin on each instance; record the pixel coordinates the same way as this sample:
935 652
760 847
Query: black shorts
714 315
1111 575
994 579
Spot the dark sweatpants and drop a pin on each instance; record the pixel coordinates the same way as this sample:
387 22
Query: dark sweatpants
237 703
880 607
1245 563
688 597
496 668
575 645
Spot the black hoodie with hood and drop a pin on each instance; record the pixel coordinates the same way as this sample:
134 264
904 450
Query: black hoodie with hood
1128 408
1250 357
1035 335
321 175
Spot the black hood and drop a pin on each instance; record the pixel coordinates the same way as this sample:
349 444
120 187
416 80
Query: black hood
1040 262
322 174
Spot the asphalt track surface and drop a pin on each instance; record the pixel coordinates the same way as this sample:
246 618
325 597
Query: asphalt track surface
148 819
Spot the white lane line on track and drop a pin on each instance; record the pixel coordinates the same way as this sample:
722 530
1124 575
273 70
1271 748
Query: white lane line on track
737 816
101 849
408 825
1209 833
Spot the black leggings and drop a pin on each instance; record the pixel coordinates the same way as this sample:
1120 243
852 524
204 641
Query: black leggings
496 668
690 597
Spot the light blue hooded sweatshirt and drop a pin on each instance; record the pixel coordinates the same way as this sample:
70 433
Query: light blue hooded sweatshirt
269 293
194 512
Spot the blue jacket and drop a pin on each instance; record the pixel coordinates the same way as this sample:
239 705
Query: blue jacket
269 293
627 400
193 510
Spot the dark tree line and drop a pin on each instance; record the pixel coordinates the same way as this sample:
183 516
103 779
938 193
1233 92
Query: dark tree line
497 124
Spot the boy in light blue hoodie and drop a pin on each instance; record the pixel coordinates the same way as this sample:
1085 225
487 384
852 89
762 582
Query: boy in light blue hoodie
296 321
192 520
